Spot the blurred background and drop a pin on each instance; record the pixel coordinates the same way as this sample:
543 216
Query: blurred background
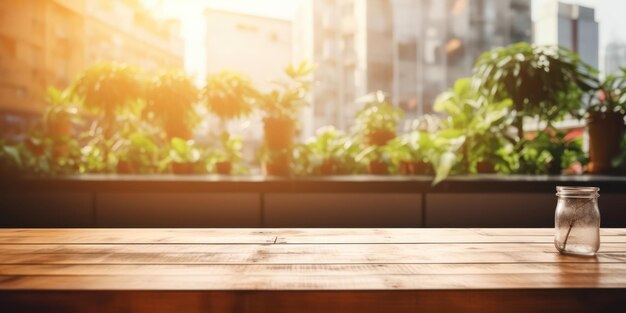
410 51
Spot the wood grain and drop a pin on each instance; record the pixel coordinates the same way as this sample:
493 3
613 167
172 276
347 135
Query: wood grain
306 270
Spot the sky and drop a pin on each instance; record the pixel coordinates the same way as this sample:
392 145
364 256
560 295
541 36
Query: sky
190 12
609 13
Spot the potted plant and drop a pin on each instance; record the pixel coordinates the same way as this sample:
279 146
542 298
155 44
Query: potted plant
605 123
544 82
61 114
229 155
138 153
276 162
549 152
282 104
378 121
376 158
170 99
483 122
229 95
184 156
111 90
408 153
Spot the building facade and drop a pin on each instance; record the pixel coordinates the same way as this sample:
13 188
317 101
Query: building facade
48 42
410 49
571 26
614 57
259 47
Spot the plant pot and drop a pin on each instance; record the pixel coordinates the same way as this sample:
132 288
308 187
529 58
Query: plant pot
183 168
554 167
328 167
279 132
485 167
422 168
224 167
606 131
60 149
380 137
124 167
377 168
60 129
278 165
414 168
406 168
276 169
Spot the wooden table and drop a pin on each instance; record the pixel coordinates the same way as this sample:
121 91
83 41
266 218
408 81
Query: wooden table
306 270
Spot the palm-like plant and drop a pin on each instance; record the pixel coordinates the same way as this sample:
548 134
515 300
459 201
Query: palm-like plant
229 95
285 101
545 82
109 89
170 98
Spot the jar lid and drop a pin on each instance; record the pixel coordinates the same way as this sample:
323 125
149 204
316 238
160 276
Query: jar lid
577 192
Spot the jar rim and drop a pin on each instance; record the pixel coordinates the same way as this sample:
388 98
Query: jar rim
577 191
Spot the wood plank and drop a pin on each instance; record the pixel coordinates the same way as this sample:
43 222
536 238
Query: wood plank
429 235
133 236
413 249
266 235
306 254
346 281
311 269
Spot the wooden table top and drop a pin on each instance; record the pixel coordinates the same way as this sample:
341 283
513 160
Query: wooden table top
311 260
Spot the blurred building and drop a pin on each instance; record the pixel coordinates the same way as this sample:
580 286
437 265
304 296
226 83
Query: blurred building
258 46
48 42
614 57
569 25
410 49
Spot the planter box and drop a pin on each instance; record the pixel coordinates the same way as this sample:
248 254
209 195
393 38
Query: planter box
256 201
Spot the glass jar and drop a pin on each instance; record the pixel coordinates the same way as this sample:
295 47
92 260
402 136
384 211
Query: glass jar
577 220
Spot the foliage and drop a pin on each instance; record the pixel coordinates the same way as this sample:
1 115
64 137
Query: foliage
484 123
10 160
378 115
170 99
611 94
60 110
289 97
183 151
108 87
545 82
229 95
620 160
138 145
330 152
549 152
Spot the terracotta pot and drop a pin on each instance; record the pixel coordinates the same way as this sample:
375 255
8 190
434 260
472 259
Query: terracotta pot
60 129
184 168
223 168
414 168
406 168
276 169
485 167
606 131
36 149
279 132
328 167
422 168
380 137
124 167
278 166
377 168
